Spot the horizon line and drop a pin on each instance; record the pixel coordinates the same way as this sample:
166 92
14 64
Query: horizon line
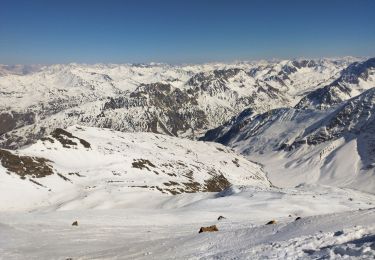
155 63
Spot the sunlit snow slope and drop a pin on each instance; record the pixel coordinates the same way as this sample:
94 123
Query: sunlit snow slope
85 167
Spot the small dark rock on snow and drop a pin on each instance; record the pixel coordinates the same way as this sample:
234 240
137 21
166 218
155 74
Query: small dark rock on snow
338 233
75 223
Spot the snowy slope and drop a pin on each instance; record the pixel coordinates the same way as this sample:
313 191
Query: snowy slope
87 167
333 147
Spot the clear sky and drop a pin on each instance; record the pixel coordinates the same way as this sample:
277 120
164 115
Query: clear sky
182 31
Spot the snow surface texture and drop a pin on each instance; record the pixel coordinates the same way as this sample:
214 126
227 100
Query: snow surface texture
167 227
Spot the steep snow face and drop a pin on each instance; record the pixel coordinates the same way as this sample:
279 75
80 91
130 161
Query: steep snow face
85 167
332 147
182 101
353 80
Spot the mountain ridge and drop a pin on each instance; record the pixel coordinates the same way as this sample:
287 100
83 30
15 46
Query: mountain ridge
183 101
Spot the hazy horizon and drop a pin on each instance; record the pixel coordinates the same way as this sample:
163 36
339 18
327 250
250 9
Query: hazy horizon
190 63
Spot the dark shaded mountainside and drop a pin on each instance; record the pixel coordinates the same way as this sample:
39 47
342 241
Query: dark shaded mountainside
345 87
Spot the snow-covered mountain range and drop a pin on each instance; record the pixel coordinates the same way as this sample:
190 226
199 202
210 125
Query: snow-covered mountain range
181 101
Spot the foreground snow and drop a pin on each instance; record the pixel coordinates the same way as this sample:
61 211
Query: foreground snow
334 223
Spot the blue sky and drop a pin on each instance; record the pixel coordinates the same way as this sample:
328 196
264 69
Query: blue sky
184 31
